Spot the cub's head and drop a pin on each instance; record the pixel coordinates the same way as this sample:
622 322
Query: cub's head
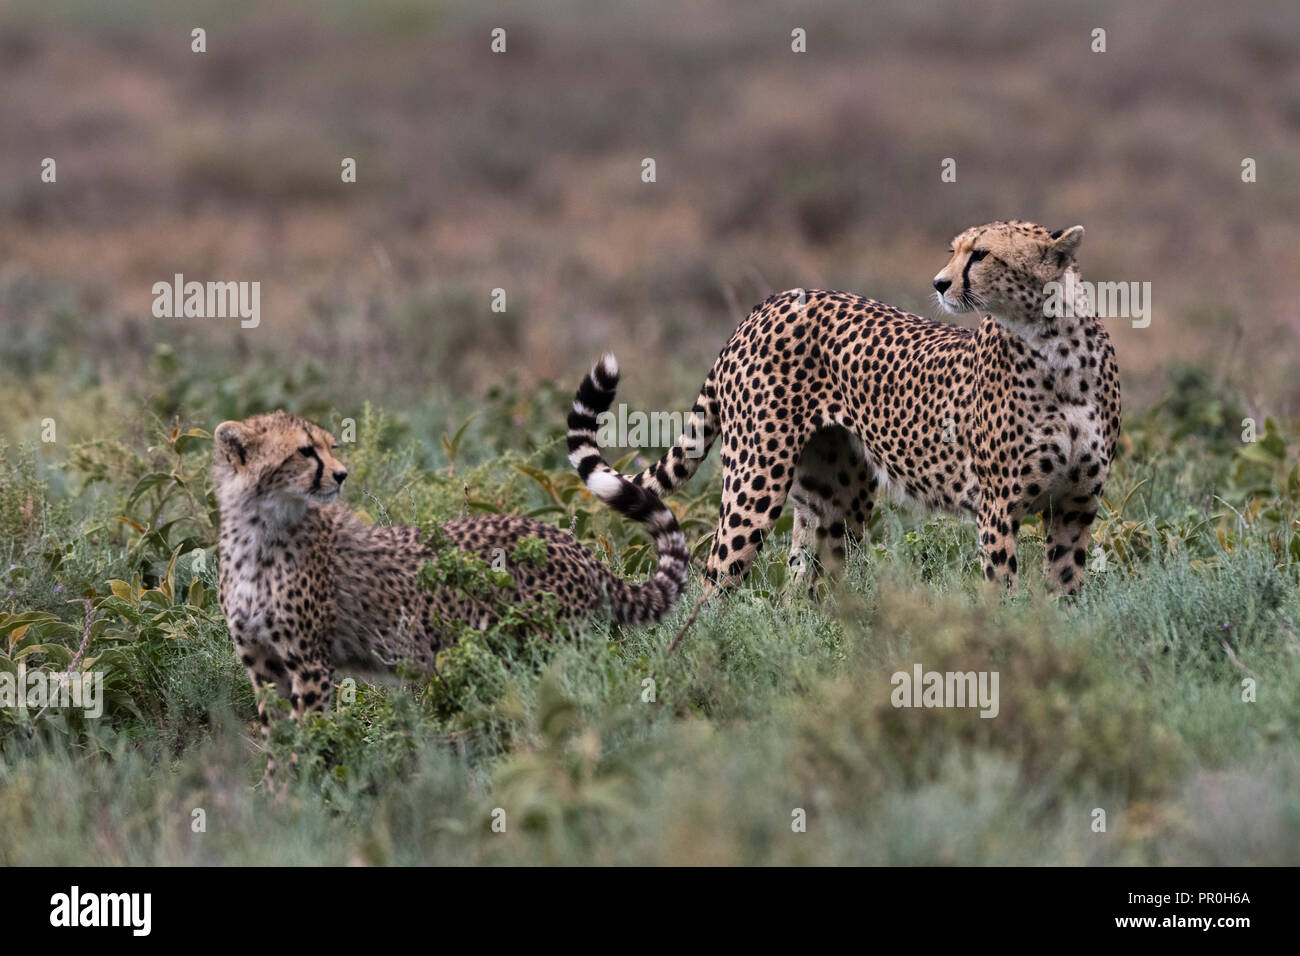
282 460
1002 268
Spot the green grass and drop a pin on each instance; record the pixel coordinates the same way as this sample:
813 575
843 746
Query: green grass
521 172
600 748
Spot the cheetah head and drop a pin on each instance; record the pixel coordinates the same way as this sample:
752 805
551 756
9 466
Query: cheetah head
1002 268
282 461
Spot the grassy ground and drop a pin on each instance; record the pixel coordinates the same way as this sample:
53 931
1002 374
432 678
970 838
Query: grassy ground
522 172
1131 702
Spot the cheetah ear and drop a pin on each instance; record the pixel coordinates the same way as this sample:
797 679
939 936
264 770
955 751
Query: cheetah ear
233 439
1066 241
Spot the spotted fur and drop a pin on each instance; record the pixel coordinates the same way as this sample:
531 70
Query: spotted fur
825 398
307 587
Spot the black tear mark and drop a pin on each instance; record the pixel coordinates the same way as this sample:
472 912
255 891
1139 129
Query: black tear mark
320 470
965 273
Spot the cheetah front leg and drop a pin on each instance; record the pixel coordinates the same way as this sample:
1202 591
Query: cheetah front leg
266 672
1065 547
305 682
999 528
311 687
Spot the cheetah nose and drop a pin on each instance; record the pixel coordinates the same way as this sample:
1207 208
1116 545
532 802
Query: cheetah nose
339 476
941 285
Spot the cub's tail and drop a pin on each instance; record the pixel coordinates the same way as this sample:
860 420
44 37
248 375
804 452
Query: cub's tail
631 603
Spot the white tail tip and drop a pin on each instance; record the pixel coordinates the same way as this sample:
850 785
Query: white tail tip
604 484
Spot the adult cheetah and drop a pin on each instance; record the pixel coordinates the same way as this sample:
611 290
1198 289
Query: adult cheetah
306 586
827 396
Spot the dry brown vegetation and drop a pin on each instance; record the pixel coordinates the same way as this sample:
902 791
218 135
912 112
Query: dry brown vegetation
521 171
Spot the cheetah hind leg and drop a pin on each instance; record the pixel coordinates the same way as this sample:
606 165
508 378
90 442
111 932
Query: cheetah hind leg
1065 547
999 528
803 561
752 499
833 494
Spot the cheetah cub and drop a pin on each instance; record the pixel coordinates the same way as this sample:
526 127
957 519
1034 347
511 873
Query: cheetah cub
306 586
828 397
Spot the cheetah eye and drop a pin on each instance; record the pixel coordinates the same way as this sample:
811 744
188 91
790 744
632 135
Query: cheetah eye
978 254
307 451
334 447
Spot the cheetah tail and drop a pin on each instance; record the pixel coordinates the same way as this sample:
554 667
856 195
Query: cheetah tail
680 462
631 603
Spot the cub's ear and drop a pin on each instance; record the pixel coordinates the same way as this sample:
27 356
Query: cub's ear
1066 241
232 439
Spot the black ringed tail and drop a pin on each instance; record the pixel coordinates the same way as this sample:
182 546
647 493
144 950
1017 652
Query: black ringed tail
680 462
630 603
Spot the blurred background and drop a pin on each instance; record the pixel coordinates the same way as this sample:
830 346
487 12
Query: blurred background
522 171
